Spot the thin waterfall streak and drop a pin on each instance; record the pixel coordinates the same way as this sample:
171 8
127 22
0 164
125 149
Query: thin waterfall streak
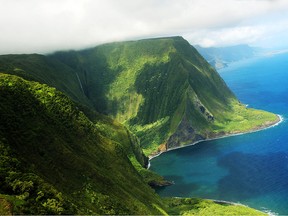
80 83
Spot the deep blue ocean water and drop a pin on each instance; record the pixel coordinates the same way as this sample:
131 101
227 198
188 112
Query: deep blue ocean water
251 169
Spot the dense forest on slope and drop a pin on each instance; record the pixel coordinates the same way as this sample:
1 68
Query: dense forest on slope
55 160
73 124
160 89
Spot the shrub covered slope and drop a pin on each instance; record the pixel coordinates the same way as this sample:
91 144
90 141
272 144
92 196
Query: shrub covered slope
64 151
162 90
55 160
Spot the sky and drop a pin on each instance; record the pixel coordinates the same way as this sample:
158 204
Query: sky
43 26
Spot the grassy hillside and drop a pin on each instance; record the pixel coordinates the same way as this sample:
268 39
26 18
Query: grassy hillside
161 89
73 126
55 160
196 206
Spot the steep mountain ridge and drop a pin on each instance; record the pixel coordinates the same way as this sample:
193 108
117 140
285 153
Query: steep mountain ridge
154 85
60 156
158 88
144 74
54 160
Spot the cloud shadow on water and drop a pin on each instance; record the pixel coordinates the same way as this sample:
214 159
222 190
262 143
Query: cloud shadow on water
209 148
252 175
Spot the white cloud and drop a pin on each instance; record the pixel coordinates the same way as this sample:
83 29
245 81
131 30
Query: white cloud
228 36
47 25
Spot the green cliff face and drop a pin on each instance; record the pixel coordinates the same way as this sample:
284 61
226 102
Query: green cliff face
73 124
160 89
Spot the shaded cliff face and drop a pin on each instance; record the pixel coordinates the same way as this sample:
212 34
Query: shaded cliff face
157 88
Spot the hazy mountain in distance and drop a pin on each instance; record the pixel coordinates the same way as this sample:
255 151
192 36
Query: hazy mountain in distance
220 57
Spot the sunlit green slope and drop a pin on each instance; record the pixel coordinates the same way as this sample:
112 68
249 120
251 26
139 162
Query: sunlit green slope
162 90
67 153
196 206
55 160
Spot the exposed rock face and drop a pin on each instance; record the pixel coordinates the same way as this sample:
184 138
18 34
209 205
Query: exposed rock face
203 110
164 183
184 134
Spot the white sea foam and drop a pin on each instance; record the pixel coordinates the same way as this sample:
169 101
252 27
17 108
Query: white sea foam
221 137
265 210
269 212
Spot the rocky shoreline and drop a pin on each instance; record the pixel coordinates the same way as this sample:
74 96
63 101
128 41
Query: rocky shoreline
265 126
259 128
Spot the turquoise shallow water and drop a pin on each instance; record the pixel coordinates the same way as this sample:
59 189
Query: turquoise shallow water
251 169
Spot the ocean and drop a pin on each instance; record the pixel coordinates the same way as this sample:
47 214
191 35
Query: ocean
251 169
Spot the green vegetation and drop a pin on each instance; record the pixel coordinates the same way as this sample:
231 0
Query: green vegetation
39 68
28 193
196 206
161 89
74 126
242 119
6 207
55 161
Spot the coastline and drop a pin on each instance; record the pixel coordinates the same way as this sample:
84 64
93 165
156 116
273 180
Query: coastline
266 211
260 128
274 124
221 202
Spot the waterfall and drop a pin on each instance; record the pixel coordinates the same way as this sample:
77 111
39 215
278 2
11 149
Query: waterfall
80 83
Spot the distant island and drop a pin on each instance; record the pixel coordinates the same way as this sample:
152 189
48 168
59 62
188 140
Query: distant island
220 57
